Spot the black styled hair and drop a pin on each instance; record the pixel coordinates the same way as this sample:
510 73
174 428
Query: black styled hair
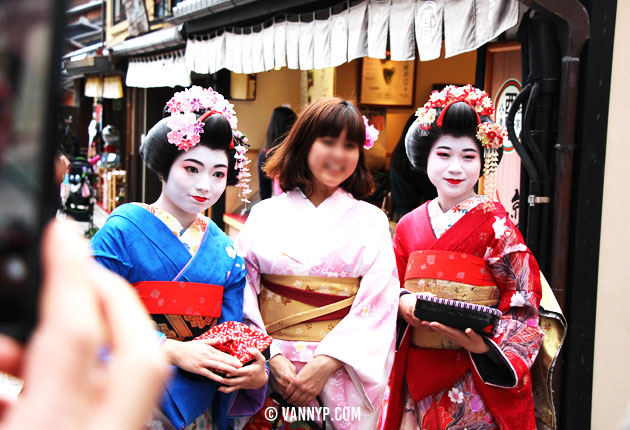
460 120
159 154
280 123
399 160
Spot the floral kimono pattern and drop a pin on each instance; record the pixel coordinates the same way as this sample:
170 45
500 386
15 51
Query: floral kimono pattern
455 389
341 238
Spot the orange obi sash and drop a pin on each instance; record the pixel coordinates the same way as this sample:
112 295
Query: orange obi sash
180 298
449 275
304 308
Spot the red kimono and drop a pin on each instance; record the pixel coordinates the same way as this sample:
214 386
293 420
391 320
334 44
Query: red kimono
438 388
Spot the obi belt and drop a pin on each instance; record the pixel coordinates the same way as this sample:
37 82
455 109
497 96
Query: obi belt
449 275
187 395
304 308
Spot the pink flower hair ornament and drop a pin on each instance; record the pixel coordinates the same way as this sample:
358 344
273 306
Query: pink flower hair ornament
186 127
371 133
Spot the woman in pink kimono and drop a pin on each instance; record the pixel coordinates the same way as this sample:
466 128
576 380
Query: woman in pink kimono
321 269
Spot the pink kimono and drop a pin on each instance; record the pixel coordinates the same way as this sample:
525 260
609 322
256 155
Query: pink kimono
341 238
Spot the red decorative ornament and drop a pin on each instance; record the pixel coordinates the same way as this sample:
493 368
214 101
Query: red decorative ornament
234 339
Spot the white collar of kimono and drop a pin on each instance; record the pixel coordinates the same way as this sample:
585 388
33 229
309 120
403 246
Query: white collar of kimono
442 221
339 195
308 224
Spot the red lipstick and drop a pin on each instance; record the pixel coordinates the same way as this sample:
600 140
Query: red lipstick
199 199
455 181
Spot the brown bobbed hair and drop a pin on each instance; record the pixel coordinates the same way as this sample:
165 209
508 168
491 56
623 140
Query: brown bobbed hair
326 117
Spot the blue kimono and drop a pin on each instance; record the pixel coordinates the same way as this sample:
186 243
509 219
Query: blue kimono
139 246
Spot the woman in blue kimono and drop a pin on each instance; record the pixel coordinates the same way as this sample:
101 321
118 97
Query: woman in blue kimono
184 268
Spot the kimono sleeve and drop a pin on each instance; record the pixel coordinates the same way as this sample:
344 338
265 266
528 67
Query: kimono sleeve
108 246
364 339
232 308
402 255
518 338
243 402
244 245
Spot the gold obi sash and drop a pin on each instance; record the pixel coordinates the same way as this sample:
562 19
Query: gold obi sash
298 317
449 275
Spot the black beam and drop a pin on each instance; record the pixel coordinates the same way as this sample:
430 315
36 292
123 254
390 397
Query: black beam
586 207
257 13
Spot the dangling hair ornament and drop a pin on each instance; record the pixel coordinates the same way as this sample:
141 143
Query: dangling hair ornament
241 164
371 133
186 127
490 134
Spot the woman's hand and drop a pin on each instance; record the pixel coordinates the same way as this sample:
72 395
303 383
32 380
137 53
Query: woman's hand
282 372
310 381
248 377
84 310
198 356
406 306
467 339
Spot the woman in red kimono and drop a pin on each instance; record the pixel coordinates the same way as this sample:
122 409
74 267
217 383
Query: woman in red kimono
463 243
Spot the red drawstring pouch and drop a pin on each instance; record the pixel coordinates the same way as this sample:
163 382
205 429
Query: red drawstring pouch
188 395
234 339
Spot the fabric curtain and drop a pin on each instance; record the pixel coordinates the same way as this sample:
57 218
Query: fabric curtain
321 45
307 31
229 51
218 51
190 53
237 46
247 40
401 40
280 44
339 39
268 35
428 24
258 55
357 31
378 22
293 52
484 21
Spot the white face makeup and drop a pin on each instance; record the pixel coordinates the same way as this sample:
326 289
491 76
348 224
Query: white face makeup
453 167
331 161
195 182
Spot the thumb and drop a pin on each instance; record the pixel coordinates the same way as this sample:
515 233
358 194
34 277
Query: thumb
256 354
212 341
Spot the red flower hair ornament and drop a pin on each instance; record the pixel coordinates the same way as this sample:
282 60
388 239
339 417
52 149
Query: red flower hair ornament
491 135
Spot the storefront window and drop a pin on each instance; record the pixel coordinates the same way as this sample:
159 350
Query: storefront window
119 11
163 8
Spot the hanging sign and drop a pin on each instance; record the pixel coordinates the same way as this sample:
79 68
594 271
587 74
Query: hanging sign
509 170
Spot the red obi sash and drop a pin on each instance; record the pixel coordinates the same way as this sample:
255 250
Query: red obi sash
448 266
180 298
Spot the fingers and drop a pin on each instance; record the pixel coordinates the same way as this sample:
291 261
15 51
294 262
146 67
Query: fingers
228 390
11 353
257 355
222 357
135 354
220 366
61 362
234 383
211 375
300 396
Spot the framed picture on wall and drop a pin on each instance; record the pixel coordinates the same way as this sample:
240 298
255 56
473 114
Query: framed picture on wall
387 83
